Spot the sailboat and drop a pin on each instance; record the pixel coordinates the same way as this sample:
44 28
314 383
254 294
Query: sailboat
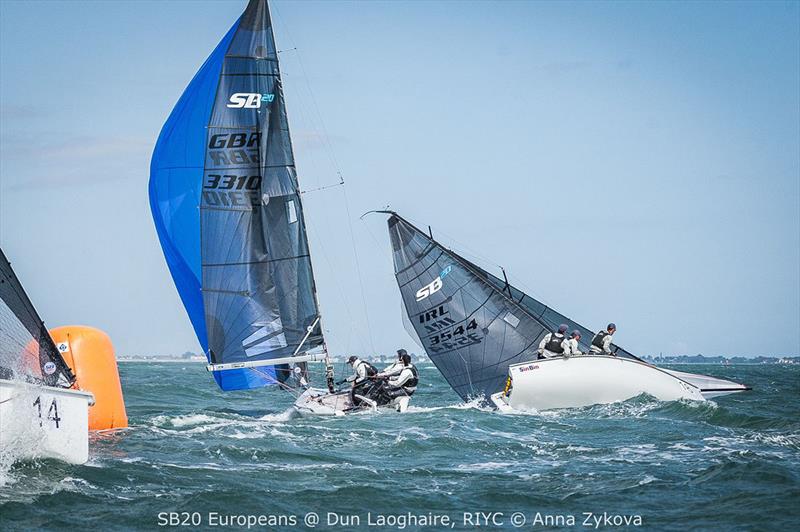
227 207
483 334
42 415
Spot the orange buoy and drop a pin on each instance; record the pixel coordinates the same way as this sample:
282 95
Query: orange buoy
88 351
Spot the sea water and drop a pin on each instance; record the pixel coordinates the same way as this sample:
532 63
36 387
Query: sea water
197 458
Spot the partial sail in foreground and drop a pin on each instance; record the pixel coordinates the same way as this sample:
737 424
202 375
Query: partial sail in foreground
27 352
43 414
226 205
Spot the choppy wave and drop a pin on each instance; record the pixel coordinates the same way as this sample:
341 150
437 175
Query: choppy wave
193 448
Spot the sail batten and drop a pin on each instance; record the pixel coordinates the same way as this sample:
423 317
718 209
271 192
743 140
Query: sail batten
251 294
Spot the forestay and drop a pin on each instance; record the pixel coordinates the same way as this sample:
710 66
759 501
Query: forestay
226 204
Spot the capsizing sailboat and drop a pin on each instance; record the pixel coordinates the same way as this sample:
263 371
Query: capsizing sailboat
483 334
227 207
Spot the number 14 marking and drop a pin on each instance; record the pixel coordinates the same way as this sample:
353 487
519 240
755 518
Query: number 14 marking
52 413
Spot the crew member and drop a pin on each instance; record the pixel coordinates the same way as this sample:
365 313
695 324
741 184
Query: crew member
553 344
363 372
601 343
573 344
403 385
396 367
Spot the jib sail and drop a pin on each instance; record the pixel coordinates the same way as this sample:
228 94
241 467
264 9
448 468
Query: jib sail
27 351
227 209
472 324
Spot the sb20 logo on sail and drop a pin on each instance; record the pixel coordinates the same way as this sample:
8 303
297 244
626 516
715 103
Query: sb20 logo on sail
435 286
249 100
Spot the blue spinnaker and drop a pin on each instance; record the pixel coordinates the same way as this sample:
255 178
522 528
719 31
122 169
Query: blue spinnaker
226 205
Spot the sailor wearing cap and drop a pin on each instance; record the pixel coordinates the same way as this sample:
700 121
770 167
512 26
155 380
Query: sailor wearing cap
554 344
363 372
601 343
396 367
573 344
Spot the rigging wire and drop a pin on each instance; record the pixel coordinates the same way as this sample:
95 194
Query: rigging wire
358 270
338 285
324 187
335 163
311 226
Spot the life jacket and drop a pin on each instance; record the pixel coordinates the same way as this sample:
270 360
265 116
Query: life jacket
554 344
370 369
394 369
597 341
410 385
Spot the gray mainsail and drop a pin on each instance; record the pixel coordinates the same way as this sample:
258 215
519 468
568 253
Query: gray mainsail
258 283
472 324
226 205
547 316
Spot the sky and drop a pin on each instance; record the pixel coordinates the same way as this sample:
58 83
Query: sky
628 162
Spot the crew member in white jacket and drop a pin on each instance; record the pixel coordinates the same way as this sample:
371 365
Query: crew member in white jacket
403 385
573 344
396 367
360 371
601 343
362 378
554 344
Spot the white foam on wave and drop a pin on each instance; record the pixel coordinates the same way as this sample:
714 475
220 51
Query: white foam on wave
76 484
236 427
707 404
412 434
743 444
185 420
6 477
648 479
197 465
287 415
246 435
258 432
474 404
792 441
486 466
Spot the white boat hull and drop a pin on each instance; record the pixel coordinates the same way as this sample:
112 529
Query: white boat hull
597 379
320 402
44 422
710 387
